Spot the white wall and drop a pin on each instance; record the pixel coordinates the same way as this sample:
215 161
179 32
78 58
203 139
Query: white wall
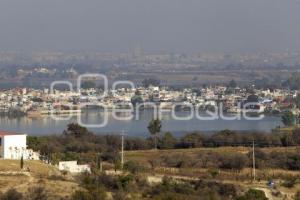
14 146
72 167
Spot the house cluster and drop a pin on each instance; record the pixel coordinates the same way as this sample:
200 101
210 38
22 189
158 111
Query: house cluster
41 102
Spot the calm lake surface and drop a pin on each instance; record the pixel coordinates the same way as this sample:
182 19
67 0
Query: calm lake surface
47 125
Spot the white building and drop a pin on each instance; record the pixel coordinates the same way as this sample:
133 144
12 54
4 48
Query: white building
73 167
13 146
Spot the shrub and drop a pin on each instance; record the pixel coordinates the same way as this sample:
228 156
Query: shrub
124 181
192 140
290 182
213 187
81 195
37 193
253 194
12 194
133 167
297 196
168 141
213 172
178 160
233 161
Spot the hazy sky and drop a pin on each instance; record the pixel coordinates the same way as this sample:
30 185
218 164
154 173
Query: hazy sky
155 25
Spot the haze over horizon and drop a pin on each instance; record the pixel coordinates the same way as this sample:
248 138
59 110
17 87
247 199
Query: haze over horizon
231 26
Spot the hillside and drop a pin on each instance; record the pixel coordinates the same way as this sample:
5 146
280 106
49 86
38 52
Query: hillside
34 174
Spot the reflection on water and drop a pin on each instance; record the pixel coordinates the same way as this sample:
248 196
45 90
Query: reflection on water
47 125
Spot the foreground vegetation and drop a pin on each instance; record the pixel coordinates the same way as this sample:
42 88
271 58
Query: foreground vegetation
195 166
77 143
44 182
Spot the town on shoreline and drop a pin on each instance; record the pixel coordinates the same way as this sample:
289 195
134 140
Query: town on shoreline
228 99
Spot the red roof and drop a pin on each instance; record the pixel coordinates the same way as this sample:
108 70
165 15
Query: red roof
3 133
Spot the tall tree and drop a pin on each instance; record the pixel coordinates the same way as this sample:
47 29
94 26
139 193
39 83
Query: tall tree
154 129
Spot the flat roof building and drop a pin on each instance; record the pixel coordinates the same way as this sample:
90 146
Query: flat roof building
12 145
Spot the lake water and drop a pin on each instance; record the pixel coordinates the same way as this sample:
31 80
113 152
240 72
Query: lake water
47 125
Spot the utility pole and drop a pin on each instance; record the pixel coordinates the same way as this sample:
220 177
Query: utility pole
122 149
253 161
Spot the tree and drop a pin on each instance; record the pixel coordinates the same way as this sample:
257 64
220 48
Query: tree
113 156
76 130
136 99
150 81
168 141
213 172
297 101
192 140
47 150
232 84
293 162
293 82
34 142
154 129
132 166
88 84
225 137
288 118
287 138
294 137
22 162
236 161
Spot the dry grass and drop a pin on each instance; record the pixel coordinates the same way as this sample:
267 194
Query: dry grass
52 187
7 182
35 167
145 155
39 174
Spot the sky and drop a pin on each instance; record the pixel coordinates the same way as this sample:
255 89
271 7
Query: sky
231 26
